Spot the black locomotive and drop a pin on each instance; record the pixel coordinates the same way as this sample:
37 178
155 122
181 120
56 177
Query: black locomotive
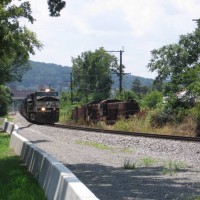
41 107
107 111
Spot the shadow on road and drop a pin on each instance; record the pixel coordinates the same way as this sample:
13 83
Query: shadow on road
21 128
109 183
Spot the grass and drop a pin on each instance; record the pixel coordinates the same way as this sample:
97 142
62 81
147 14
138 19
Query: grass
93 144
128 150
129 165
142 124
170 168
148 161
173 167
16 183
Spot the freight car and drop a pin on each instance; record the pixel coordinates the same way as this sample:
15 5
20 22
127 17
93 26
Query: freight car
107 111
41 107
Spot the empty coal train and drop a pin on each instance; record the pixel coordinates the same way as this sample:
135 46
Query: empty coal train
41 107
107 111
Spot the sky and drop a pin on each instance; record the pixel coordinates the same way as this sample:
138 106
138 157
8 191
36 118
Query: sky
135 26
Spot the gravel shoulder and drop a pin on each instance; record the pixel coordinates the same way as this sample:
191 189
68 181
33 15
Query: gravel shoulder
98 159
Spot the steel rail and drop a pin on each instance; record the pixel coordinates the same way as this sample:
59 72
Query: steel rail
136 134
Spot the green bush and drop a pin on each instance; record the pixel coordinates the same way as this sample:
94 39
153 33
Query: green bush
125 95
152 100
5 99
194 113
159 118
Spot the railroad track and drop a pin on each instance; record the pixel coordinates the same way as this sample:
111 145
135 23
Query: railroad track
136 134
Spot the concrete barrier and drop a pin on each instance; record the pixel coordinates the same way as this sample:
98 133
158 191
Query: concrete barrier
8 126
57 181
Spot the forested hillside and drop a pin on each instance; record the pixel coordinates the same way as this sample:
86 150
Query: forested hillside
58 77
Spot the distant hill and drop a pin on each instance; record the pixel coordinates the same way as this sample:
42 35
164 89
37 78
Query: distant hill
58 77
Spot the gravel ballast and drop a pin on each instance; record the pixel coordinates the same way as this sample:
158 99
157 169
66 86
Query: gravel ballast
164 169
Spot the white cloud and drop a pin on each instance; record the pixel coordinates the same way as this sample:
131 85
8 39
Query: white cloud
139 26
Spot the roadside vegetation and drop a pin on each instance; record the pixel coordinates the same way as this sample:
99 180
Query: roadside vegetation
93 144
15 182
155 116
165 168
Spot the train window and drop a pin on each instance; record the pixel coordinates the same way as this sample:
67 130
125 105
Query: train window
42 94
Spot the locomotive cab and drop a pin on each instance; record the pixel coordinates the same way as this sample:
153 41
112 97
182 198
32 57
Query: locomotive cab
42 107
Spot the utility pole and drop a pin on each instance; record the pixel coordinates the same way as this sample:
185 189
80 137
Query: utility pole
71 87
120 69
71 83
120 72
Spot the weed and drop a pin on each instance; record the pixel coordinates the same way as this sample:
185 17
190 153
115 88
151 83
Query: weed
173 167
148 161
128 150
129 165
93 144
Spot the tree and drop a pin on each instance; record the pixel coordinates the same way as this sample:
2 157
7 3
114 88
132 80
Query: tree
55 6
5 100
178 65
16 41
127 95
92 74
138 88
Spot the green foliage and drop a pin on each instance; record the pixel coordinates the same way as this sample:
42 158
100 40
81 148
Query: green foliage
93 144
160 118
44 74
92 74
127 94
194 113
65 99
16 182
178 67
66 108
58 77
152 100
173 167
5 100
129 165
138 88
135 124
16 41
147 161
55 6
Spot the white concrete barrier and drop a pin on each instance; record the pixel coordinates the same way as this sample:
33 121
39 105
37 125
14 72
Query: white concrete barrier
8 126
57 181
5 124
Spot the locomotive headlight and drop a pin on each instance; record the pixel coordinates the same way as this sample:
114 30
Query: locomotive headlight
43 109
47 90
